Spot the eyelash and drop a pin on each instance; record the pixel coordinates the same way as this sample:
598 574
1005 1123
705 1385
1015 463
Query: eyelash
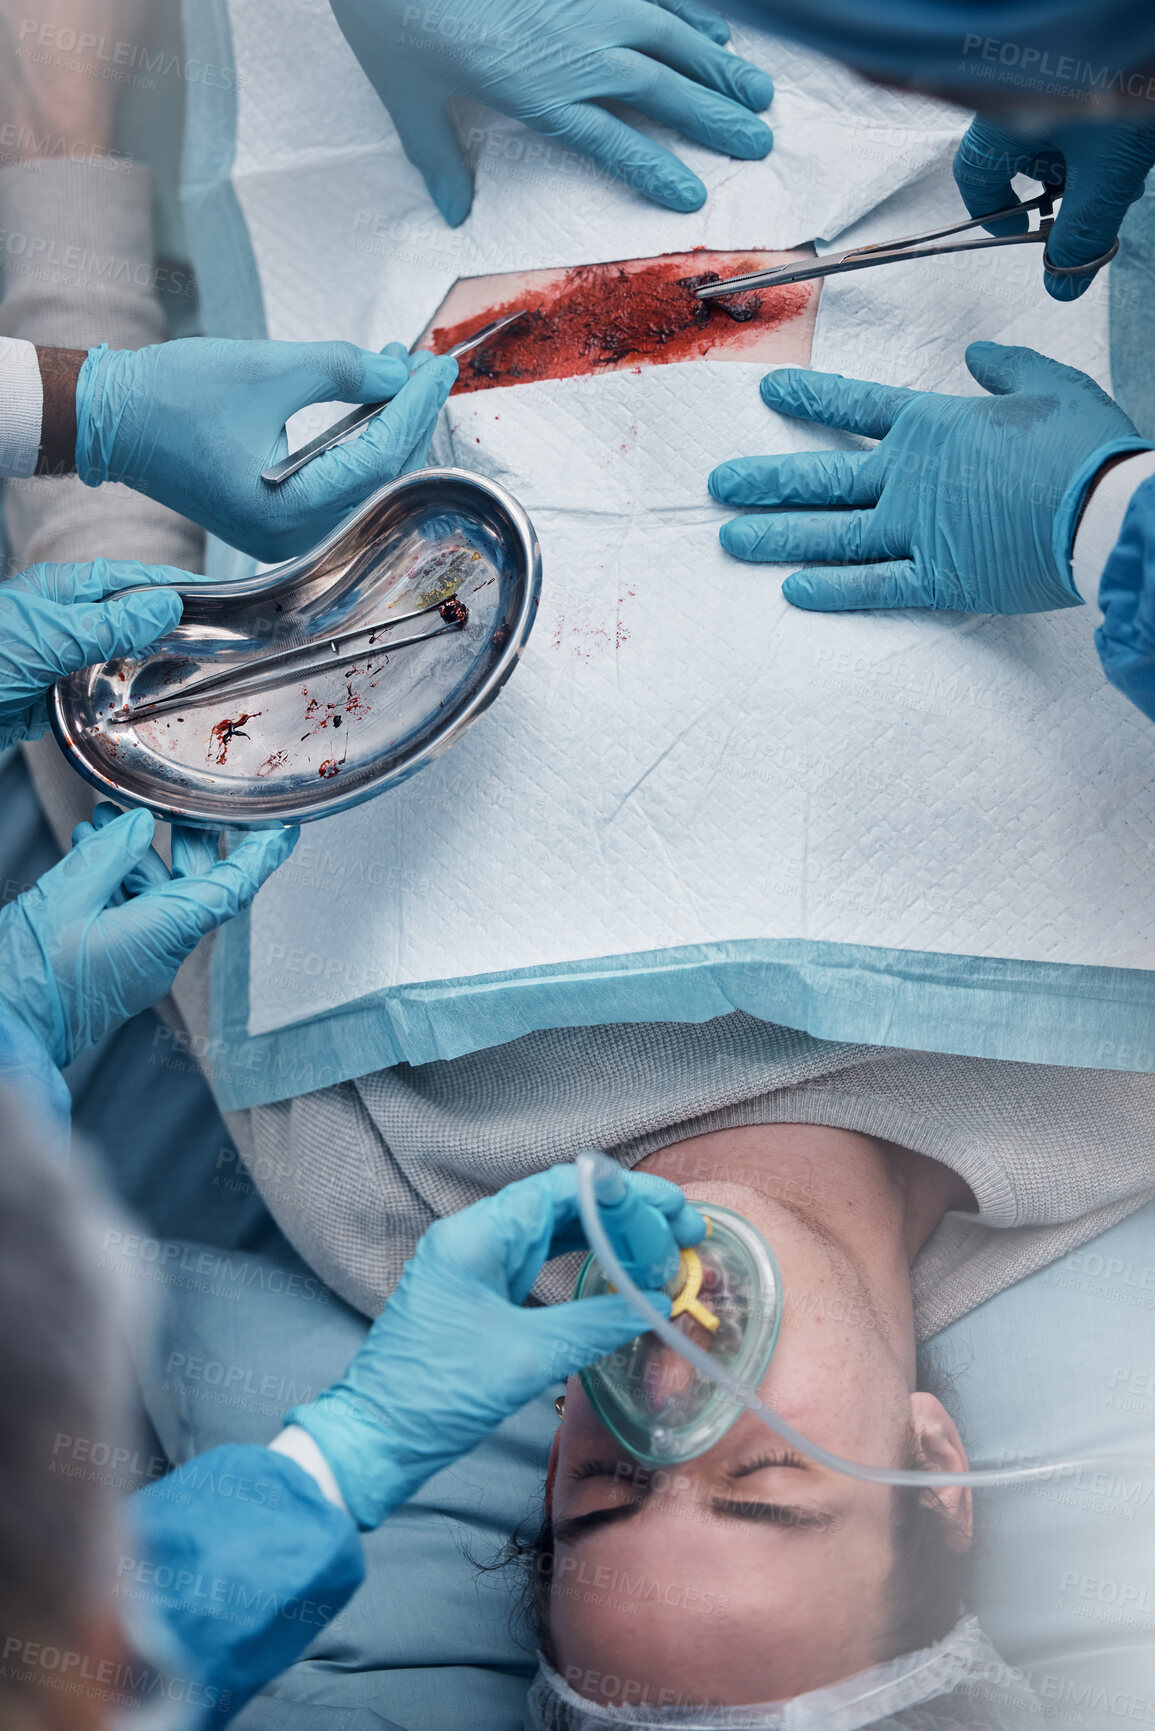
609 1469
596 1470
785 1459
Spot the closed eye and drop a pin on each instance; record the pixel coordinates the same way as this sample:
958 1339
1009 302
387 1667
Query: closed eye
760 1465
568 1532
779 1515
616 1469
624 1471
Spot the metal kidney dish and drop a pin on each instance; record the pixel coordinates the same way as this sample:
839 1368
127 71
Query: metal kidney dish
310 745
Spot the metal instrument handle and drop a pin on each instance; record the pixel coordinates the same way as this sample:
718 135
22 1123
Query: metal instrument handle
894 251
340 430
303 658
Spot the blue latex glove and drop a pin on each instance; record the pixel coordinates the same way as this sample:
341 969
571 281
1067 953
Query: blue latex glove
192 424
1099 167
967 503
455 1351
1126 638
553 64
103 933
55 619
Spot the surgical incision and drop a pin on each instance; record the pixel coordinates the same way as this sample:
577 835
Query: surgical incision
604 316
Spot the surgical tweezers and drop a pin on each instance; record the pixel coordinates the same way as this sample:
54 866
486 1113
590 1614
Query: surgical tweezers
912 246
340 430
305 659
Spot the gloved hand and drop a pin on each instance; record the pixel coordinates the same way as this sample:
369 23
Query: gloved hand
1100 169
553 64
103 933
192 423
967 503
454 1352
54 619
1126 638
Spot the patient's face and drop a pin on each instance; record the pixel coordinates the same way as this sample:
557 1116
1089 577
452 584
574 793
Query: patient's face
747 1574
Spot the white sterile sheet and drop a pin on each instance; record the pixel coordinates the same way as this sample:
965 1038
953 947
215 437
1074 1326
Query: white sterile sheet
347 239
681 758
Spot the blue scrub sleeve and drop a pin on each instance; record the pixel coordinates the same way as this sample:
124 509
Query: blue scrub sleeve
27 1068
1126 638
243 1560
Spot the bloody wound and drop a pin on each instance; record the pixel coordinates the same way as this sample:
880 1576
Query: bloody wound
609 315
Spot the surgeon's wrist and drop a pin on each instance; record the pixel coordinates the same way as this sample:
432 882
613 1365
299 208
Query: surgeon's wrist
59 371
371 1479
1101 524
1097 479
1075 500
103 387
297 1445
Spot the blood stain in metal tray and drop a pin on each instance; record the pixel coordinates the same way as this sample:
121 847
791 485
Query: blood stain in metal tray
228 729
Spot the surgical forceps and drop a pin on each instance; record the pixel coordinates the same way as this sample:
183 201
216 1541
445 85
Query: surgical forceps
301 662
340 430
913 246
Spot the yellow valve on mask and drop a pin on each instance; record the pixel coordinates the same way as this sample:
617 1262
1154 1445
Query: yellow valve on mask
686 1298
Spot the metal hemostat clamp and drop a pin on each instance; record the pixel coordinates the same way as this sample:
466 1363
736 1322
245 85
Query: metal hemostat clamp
317 656
915 246
349 424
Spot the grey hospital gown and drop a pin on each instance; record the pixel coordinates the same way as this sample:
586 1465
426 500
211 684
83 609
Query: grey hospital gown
356 1172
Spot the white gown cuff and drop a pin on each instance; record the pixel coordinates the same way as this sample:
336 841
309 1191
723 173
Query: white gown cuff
21 408
300 1447
1102 521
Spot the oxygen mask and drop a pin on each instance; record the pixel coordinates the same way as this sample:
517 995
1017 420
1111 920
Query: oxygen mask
727 1299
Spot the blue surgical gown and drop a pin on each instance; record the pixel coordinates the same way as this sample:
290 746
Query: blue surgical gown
237 1555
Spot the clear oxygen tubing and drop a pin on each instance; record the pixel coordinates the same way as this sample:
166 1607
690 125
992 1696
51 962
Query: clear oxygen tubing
590 1165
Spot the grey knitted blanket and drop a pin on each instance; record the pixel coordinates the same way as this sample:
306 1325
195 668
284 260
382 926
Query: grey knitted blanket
355 1173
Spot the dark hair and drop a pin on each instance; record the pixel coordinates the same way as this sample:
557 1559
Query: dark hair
529 1550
